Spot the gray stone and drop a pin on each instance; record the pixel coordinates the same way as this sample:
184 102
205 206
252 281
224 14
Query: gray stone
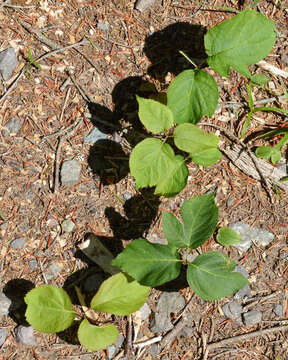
33 264
68 226
142 5
94 136
103 26
250 235
3 335
111 351
25 335
8 62
54 270
18 243
239 268
232 310
119 340
154 350
12 127
243 294
251 318
93 282
168 303
145 312
278 310
70 173
5 304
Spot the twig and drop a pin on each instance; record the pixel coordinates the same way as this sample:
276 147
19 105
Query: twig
259 301
245 337
151 341
14 83
257 102
16 6
129 347
57 165
119 44
65 103
272 69
171 335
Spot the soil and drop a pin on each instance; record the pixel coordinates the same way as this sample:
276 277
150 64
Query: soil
126 51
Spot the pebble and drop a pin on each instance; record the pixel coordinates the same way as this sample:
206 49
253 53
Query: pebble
278 310
33 264
5 304
70 173
250 235
54 271
68 226
145 312
168 303
243 294
103 26
8 62
12 127
127 196
18 243
3 335
232 310
25 335
142 5
94 136
251 318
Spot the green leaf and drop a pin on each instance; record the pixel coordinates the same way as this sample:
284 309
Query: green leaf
227 236
153 163
96 337
268 152
259 79
49 309
192 94
150 264
240 41
155 116
173 230
200 218
120 295
201 146
211 276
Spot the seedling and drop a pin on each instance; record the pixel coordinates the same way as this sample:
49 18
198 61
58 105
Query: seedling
210 275
50 310
235 43
31 62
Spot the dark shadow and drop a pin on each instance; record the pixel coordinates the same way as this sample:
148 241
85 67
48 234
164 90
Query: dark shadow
140 211
175 285
16 290
162 48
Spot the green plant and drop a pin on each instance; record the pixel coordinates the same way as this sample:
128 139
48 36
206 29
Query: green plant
30 63
50 310
235 43
210 275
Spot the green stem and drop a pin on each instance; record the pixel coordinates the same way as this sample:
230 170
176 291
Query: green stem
282 142
187 58
274 109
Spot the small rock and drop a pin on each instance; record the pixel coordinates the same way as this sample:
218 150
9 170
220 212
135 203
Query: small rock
70 173
93 282
54 271
154 350
119 340
127 196
168 303
3 335
18 243
68 226
154 239
230 201
12 127
33 264
239 268
243 294
142 5
278 310
252 317
94 136
145 312
25 335
111 351
284 59
103 26
5 303
232 310
8 62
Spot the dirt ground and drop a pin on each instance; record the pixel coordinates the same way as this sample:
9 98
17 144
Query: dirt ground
126 50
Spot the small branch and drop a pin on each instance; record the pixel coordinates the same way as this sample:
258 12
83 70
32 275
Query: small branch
244 337
148 342
57 165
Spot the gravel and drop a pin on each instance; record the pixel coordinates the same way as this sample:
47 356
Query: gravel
12 127
18 243
25 335
3 336
68 226
70 173
8 62
252 318
5 303
232 310
94 136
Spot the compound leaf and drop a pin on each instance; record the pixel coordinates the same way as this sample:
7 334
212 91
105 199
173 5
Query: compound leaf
94 337
192 94
201 146
227 236
49 309
119 295
173 230
211 276
155 116
240 41
200 218
150 264
153 163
